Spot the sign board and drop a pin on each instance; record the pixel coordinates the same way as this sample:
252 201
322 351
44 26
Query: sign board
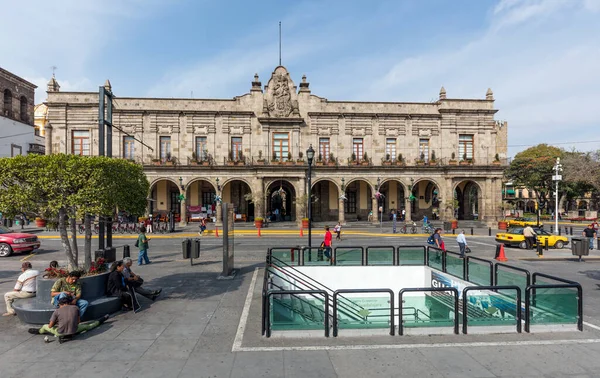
228 227
556 177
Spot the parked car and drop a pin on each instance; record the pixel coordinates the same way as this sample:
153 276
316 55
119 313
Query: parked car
522 222
16 242
514 237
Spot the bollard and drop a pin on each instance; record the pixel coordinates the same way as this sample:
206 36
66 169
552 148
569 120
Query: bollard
126 251
546 244
571 230
551 229
471 231
598 241
559 231
452 231
540 250
489 231
497 251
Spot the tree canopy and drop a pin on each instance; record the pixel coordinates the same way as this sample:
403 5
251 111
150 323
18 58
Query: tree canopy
68 187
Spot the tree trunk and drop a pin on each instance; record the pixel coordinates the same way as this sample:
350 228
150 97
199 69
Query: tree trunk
88 241
64 238
74 248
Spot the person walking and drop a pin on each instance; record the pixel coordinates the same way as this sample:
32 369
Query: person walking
25 287
403 218
462 243
142 244
327 243
148 224
394 219
438 240
529 235
590 233
202 226
338 231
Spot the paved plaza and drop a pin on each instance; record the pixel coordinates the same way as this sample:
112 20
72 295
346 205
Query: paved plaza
204 327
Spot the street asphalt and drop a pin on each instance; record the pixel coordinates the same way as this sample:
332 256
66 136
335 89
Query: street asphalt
205 327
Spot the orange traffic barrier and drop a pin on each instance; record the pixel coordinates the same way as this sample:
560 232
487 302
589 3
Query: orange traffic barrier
501 255
259 232
216 231
301 232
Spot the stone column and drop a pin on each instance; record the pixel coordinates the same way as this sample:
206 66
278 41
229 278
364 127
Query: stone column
183 214
408 207
219 222
375 206
48 139
341 212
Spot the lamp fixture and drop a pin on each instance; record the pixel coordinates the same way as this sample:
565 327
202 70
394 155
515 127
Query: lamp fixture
343 184
310 154
181 183
218 186
378 183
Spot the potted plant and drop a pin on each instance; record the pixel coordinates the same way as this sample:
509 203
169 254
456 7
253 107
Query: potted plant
452 160
289 160
400 160
387 160
365 160
464 160
155 161
453 206
194 159
258 222
353 158
274 159
230 158
432 161
421 160
331 160
320 159
496 160
300 157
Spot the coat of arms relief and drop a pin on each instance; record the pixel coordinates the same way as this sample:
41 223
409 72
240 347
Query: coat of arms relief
280 101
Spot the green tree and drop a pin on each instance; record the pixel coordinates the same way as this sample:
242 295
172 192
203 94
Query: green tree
533 168
70 187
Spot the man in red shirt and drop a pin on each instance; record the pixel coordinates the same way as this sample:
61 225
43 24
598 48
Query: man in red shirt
327 243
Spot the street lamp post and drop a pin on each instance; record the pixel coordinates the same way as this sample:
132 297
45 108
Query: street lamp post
379 207
556 178
310 154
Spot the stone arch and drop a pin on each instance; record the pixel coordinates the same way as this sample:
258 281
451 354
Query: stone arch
394 193
469 195
326 208
200 196
23 112
281 198
371 185
337 183
237 191
426 192
164 197
359 199
7 101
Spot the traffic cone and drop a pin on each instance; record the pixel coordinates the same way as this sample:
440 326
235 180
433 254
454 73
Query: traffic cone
301 232
216 231
501 255
259 232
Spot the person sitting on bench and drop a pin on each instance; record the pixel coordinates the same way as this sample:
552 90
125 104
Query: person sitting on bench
117 287
24 288
65 322
136 282
69 287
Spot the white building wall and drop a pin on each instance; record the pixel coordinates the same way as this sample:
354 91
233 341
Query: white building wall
15 137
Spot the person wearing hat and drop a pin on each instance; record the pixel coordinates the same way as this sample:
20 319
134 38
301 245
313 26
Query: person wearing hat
24 288
65 322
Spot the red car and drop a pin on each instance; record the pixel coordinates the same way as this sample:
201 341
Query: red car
11 241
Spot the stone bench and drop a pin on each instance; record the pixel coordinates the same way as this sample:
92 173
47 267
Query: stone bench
38 310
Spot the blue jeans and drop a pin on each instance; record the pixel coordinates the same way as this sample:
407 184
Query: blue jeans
143 255
461 247
81 303
591 243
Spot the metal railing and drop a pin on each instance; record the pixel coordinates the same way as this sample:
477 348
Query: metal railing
465 302
295 292
349 291
427 289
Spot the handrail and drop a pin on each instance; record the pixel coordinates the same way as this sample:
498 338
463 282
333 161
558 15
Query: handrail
573 285
335 254
301 260
314 284
527 273
292 249
300 299
296 292
366 253
445 256
536 274
491 264
337 292
426 289
465 302
264 299
401 247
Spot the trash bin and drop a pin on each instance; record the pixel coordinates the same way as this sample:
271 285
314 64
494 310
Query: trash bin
195 252
186 246
580 247
98 254
447 226
126 251
110 254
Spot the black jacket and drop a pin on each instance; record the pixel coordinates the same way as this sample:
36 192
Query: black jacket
115 287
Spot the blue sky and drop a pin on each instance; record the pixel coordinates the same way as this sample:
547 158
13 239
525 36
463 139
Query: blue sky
539 57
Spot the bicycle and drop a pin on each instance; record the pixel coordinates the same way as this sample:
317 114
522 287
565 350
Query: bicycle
428 229
81 228
405 229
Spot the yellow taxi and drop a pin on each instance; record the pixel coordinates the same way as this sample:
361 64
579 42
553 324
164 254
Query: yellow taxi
514 237
522 222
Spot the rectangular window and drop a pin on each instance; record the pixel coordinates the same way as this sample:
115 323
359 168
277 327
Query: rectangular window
81 142
357 148
281 146
424 149
236 148
390 148
128 148
207 198
465 146
165 148
324 148
350 202
201 148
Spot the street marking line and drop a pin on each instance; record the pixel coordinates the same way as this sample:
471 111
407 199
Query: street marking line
591 326
28 257
237 342
412 346
474 242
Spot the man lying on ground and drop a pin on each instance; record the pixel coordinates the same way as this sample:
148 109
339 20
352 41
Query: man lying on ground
65 322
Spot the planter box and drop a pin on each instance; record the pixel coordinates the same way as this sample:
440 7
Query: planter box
464 163
156 162
387 163
305 223
40 223
502 225
258 223
452 162
320 164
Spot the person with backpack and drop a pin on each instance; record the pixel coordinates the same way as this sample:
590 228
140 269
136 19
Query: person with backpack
462 244
142 244
338 230
437 239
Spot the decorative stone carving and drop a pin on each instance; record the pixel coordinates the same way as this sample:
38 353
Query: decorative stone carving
281 99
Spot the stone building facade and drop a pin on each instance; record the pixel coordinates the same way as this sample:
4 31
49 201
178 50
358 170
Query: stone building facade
443 158
17 135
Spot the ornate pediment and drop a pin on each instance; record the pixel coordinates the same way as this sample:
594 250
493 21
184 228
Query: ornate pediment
280 99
